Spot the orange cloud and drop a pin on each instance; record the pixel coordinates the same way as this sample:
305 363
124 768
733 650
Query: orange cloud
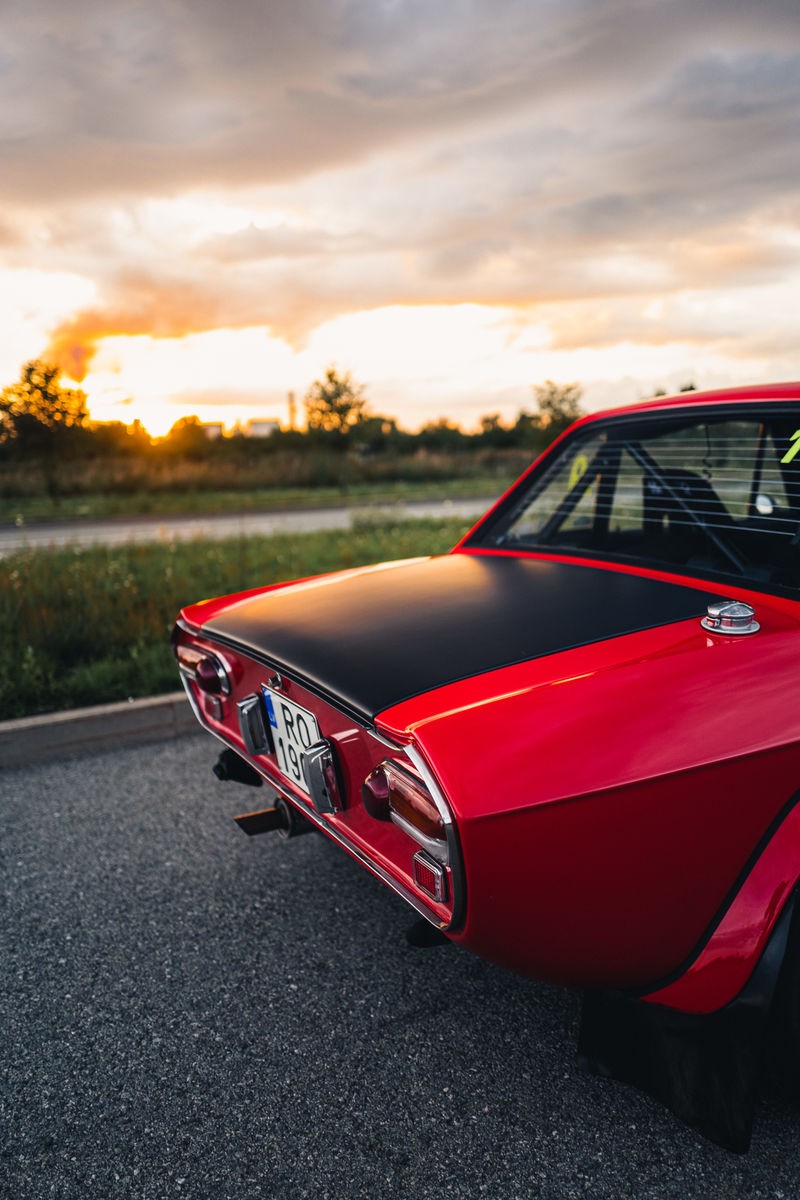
158 309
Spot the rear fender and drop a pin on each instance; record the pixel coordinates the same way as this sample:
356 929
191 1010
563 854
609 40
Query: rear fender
704 1067
735 945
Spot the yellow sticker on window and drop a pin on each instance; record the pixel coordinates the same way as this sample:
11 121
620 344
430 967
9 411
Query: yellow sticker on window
794 449
579 465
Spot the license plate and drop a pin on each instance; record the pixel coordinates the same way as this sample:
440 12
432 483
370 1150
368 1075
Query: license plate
294 730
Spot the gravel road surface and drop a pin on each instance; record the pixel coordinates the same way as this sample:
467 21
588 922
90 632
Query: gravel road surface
189 1012
117 531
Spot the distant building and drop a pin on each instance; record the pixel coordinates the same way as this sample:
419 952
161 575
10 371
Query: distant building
213 429
258 428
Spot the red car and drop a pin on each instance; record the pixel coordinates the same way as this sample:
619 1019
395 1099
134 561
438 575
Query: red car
570 744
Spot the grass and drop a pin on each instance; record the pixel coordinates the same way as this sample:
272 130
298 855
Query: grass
28 510
76 489
83 626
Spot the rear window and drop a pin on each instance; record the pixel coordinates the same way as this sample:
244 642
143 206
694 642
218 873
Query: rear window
708 493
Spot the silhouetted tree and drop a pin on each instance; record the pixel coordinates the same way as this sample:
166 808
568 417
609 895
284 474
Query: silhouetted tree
37 413
116 438
379 435
442 435
558 406
685 387
335 404
187 439
495 434
526 430
41 420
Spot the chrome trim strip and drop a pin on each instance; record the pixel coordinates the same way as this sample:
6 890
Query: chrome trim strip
453 848
385 740
222 675
438 850
193 702
431 784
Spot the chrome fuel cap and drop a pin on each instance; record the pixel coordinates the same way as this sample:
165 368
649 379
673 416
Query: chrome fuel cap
730 617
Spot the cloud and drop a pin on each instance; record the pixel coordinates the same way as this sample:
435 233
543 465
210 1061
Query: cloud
147 97
591 154
239 399
141 304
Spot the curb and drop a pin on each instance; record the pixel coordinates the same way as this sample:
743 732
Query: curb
59 735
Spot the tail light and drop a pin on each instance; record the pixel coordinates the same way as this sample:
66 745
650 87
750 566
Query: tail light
205 669
391 792
429 876
375 793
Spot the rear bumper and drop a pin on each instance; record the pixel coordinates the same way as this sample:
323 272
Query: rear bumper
383 848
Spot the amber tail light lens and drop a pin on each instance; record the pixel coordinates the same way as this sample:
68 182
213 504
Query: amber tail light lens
392 793
411 800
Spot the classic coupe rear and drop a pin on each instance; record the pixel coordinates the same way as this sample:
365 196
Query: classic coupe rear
572 743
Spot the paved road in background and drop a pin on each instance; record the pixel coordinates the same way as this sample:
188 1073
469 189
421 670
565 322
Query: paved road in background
189 1012
155 529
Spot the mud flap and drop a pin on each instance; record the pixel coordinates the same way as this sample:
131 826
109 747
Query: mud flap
704 1068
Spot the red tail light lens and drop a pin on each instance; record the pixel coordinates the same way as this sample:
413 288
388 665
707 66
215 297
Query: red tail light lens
205 669
429 876
211 677
411 800
375 794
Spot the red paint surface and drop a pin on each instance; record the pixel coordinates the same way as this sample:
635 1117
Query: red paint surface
610 799
636 778
725 964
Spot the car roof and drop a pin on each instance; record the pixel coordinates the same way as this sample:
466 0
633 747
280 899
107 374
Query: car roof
739 395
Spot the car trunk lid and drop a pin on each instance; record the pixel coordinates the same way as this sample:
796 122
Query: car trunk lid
372 638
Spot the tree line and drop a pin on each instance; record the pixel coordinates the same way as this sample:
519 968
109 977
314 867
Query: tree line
44 421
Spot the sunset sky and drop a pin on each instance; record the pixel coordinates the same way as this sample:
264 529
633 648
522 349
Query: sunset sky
204 204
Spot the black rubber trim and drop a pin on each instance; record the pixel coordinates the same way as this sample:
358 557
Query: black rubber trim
371 639
730 896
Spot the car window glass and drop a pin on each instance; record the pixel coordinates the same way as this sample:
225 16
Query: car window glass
772 484
583 514
721 453
570 477
627 508
711 494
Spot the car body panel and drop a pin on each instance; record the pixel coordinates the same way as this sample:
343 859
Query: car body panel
656 836
449 618
722 967
619 779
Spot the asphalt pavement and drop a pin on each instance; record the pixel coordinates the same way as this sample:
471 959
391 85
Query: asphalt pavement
118 530
189 1012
